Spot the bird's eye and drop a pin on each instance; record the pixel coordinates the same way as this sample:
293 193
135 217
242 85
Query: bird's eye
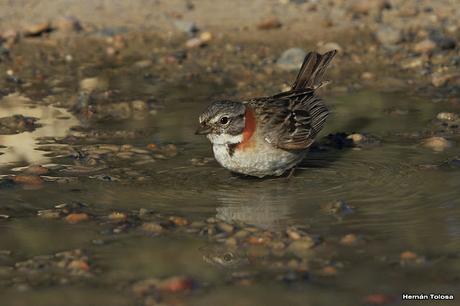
224 120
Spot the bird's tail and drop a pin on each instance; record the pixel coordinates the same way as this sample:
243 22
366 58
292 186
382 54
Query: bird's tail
312 70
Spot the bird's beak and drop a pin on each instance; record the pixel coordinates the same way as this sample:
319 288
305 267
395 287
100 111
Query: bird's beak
203 130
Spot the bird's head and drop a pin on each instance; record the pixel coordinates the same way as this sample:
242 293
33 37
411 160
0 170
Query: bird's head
223 122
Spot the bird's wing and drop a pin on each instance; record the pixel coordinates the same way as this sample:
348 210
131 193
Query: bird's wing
290 120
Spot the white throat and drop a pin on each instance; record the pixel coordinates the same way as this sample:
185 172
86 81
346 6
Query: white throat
224 139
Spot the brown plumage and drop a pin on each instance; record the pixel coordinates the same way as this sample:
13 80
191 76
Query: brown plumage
279 129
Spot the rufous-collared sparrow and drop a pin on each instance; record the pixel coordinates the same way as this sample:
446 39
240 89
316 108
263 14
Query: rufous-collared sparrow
267 136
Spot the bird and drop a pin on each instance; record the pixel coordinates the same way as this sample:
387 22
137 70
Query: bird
267 136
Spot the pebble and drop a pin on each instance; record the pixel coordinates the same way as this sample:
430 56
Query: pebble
301 246
152 227
225 227
139 106
206 37
356 138
76 218
37 29
179 221
445 116
291 59
93 84
269 23
143 64
425 46
439 79
437 144
364 7
410 258
67 24
36 170
117 216
388 35
49 214
185 26
411 63
78 264
329 271
30 180
194 43
17 124
349 240
339 208
367 76
176 284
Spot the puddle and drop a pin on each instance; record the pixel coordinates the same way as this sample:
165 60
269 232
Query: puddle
397 205
23 147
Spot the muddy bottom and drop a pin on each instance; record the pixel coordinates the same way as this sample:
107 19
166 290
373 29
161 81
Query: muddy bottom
131 209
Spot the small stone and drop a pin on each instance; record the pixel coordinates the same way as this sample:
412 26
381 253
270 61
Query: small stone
410 258
411 63
445 116
437 144
269 23
367 76
425 46
225 227
301 246
206 37
36 170
139 106
293 234
152 227
241 234
387 35
67 24
78 264
30 180
444 42
356 138
232 242
349 240
188 27
194 43
439 79
144 287
339 208
329 271
179 221
111 51
93 84
364 7
49 214
408 255
37 29
143 64
76 218
291 59
117 216
176 284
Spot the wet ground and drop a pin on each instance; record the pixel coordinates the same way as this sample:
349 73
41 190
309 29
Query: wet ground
108 197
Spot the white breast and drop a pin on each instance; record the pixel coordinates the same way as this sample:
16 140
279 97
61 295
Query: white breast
260 161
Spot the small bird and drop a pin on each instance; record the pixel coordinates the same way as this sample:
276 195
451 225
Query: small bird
267 136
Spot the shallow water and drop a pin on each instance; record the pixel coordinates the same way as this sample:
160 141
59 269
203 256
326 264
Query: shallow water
398 204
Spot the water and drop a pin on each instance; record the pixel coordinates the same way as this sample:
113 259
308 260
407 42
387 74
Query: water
398 204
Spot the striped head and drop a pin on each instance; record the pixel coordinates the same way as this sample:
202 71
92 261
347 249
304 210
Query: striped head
223 122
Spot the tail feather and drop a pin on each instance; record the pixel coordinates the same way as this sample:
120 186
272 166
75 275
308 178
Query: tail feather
313 68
